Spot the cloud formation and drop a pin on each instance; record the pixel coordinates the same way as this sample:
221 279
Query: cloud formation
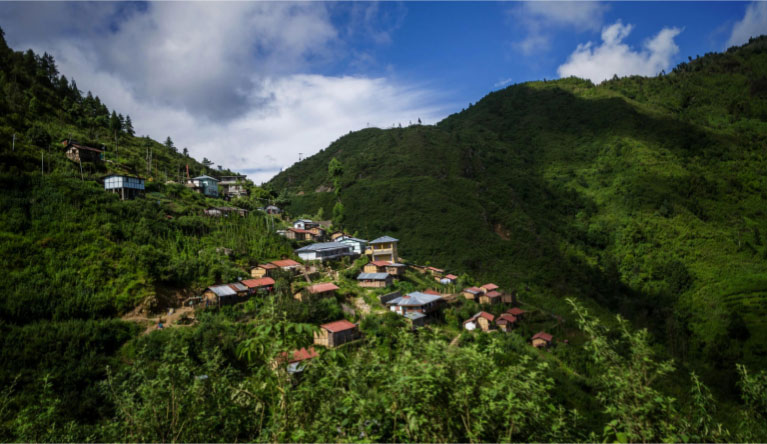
613 57
753 24
232 82
540 19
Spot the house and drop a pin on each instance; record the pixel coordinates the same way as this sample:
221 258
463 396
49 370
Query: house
374 280
204 184
336 234
336 333
488 287
81 153
391 268
491 297
318 233
324 251
416 302
358 245
296 360
448 279
516 312
509 298
471 293
305 224
384 248
298 234
288 265
416 319
262 270
262 285
482 320
506 322
233 187
271 209
321 290
127 187
389 296
225 294
542 339
225 211
432 292
436 272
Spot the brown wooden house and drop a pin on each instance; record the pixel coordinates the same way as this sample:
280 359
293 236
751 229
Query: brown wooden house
516 312
471 293
321 290
81 153
288 265
262 285
482 320
374 280
263 270
506 322
491 297
226 294
542 340
336 333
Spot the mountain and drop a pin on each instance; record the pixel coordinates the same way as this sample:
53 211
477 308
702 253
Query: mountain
646 196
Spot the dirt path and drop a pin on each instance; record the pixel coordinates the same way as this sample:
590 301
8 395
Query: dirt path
362 306
168 320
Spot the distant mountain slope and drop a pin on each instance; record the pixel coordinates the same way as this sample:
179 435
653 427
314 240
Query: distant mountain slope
647 195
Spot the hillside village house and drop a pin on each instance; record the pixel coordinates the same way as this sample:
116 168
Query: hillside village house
416 302
225 294
374 280
516 312
482 320
81 153
262 270
271 209
233 187
393 269
321 290
491 297
471 293
541 340
225 211
506 322
358 245
204 184
288 265
262 285
448 279
416 319
305 224
384 249
299 234
336 333
297 359
336 234
127 187
324 251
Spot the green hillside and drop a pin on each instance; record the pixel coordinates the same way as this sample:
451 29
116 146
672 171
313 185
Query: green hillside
645 195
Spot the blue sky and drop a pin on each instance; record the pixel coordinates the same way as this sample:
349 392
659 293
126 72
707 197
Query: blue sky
251 85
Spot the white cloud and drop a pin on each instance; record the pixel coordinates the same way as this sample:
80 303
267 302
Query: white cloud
541 18
502 83
227 80
754 24
613 57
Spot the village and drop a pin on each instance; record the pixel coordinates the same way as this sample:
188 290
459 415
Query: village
383 281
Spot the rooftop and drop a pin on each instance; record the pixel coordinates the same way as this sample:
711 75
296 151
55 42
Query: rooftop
322 288
373 276
384 239
335 327
286 263
321 246
490 287
254 283
205 177
414 299
516 311
543 335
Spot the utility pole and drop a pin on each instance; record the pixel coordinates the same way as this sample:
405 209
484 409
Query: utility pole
42 163
13 147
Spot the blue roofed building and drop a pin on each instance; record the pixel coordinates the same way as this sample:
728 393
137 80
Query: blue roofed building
384 249
374 280
416 302
324 251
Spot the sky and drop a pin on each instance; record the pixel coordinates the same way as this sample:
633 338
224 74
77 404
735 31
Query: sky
254 86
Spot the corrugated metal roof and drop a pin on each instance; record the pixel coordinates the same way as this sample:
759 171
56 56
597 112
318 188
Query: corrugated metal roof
254 283
414 299
222 290
414 315
204 177
349 238
286 263
321 246
323 287
337 326
373 276
473 290
238 287
383 239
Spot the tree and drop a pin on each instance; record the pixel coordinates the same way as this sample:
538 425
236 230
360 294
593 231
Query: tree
114 122
169 144
39 136
186 152
129 126
205 161
338 215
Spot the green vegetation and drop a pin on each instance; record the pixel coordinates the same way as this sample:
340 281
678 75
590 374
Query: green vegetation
642 196
645 196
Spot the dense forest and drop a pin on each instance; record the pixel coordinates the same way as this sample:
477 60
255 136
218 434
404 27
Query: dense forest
549 188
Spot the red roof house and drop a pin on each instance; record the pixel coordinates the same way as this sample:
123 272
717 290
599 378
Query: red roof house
336 333
542 339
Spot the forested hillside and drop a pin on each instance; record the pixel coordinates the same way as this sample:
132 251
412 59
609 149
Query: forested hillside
615 194
646 195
